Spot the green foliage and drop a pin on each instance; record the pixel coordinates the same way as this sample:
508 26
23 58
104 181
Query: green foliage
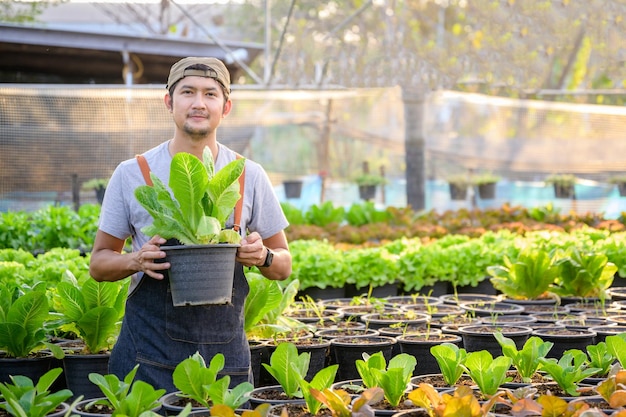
321 381
370 179
317 263
568 370
584 274
528 277
325 214
265 306
450 359
487 372
616 345
93 310
22 318
49 227
265 295
200 383
293 214
371 267
561 179
525 360
95 183
393 378
22 398
360 214
125 397
484 178
200 203
600 356
288 368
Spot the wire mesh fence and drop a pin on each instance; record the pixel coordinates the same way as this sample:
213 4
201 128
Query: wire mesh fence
55 138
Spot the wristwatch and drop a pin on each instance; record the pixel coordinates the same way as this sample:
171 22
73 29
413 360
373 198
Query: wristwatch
268 259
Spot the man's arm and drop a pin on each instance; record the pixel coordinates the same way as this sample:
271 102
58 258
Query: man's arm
108 263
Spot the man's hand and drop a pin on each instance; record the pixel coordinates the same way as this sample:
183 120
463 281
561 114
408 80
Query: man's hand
148 254
251 252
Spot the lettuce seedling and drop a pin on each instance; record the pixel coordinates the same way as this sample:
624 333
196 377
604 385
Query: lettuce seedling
200 201
569 370
198 382
24 398
393 378
125 397
600 357
487 372
288 368
320 382
450 359
616 344
525 360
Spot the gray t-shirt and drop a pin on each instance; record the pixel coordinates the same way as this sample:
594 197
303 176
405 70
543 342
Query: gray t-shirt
123 217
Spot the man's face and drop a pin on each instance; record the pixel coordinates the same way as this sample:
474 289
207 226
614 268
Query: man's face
198 106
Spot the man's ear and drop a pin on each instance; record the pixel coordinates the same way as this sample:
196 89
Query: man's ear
168 102
227 107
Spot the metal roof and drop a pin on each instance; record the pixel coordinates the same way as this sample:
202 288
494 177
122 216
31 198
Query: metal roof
39 54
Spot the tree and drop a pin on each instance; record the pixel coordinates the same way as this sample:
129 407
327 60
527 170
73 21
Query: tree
23 12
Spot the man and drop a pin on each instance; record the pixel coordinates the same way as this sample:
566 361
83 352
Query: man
155 334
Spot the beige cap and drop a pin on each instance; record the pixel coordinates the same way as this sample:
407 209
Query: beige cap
216 70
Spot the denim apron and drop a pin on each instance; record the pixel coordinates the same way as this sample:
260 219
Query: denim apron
158 336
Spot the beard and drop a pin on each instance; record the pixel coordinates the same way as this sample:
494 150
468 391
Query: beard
196 133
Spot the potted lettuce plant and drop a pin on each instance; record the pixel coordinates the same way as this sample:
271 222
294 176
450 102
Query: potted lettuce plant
195 213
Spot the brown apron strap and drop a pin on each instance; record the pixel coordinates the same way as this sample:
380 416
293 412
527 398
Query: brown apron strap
145 169
239 205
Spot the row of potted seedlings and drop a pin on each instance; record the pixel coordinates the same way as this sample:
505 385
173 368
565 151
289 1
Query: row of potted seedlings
444 320
447 324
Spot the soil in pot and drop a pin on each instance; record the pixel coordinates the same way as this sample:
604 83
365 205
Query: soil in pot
344 351
510 319
296 410
345 332
272 394
33 366
565 339
438 310
81 409
453 322
481 337
482 309
401 300
173 404
437 381
401 318
605 330
581 323
419 347
355 312
459 298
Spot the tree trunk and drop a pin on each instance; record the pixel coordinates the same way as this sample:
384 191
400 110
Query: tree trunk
413 99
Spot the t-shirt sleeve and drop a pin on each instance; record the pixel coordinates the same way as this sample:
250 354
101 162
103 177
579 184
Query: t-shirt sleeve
267 217
114 217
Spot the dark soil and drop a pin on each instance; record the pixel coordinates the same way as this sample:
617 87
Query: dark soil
96 409
300 410
437 380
